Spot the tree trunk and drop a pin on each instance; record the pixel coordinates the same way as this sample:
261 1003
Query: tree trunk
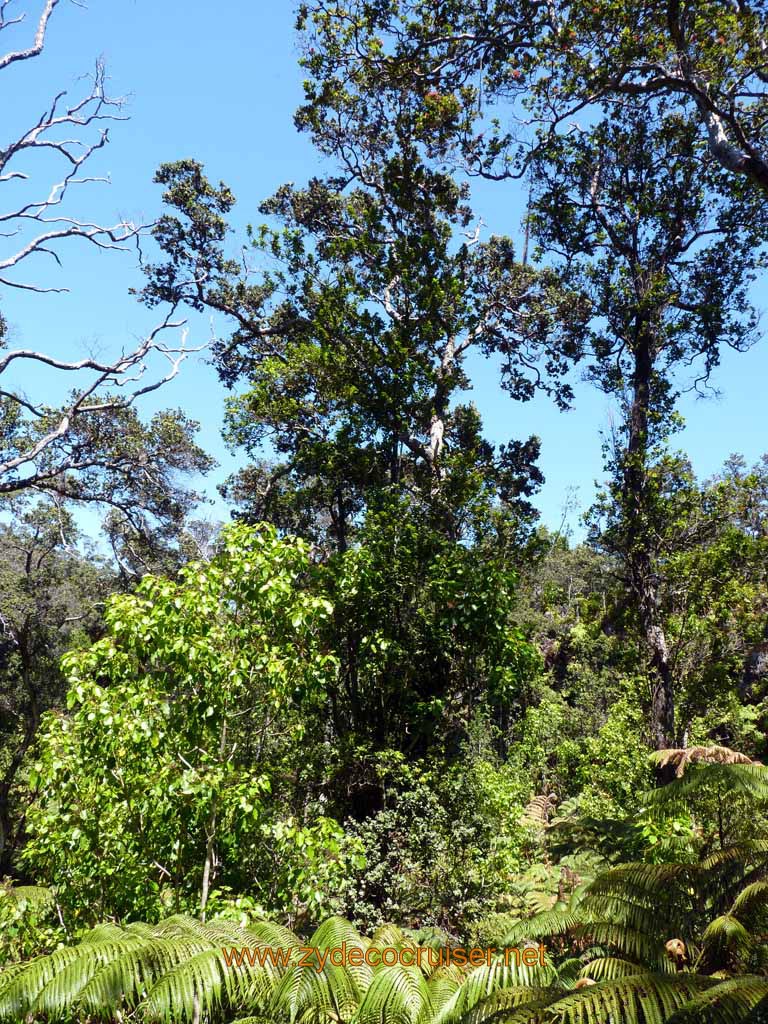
662 717
640 548
210 842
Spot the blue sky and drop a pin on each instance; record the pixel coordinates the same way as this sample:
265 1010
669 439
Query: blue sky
220 84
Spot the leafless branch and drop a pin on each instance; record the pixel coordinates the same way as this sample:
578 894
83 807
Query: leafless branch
92 108
44 444
39 42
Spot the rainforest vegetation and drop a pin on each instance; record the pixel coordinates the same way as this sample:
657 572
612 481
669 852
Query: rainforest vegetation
386 705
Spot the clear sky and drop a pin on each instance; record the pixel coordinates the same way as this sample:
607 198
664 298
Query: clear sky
220 83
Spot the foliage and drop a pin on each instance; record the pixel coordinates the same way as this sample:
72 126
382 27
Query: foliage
27 925
352 333
425 635
391 696
460 68
180 969
639 215
443 849
159 775
51 593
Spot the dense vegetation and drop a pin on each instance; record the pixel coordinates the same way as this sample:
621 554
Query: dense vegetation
386 706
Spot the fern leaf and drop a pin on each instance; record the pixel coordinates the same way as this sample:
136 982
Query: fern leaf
483 981
397 995
317 992
635 999
509 1005
542 926
609 968
731 1002
47 984
204 982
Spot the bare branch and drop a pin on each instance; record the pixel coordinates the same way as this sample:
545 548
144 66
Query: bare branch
128 369
37 47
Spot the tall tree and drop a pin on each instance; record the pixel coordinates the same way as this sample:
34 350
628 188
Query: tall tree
668 271
641 212
354 342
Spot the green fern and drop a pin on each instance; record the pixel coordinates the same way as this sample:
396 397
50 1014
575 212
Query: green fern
177 972
748 781
647 998
736 1001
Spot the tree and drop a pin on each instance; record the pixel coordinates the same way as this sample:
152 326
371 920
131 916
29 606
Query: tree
354 342
54 584
667 268
712 590
550 65
423 627
638 211
181 721
87 448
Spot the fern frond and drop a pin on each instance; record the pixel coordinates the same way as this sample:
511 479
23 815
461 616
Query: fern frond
443 983
635 999
106 932
628 942
542 926
568 971
481 982
204 982
538 812
217 932
397 995
317 993
647 883
609 968
745 780
752 902
681 757
52 983
430 937
335 930
9 971
509 1005
731 1002
389 935
743 853
624 910
725 942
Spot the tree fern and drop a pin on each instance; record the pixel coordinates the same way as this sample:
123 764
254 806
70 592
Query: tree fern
543 926
508 1005
320 990
609 968
205 983
178 971
48 986
729 780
